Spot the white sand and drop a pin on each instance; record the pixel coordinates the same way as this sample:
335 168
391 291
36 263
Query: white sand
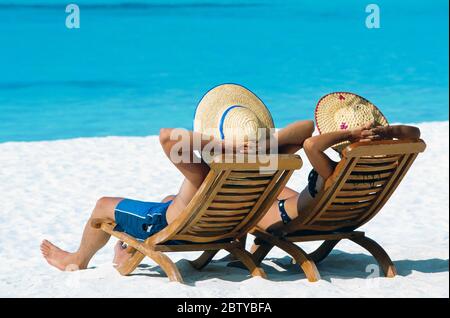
49 188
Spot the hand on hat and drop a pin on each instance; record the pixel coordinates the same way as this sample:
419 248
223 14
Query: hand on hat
381 132
363 133
262 145
246 147
235 147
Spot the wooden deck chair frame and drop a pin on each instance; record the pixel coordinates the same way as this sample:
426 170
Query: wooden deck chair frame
361 184
234 196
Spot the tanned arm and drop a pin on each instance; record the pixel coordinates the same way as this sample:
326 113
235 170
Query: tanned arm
292 137
315 147
180 145
395 131
289 139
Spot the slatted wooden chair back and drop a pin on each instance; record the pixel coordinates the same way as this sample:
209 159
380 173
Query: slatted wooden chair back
232 199
363 181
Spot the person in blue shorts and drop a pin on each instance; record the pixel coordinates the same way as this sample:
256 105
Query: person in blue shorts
143 219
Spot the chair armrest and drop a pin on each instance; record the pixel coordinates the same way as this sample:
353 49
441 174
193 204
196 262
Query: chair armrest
273 161
384 147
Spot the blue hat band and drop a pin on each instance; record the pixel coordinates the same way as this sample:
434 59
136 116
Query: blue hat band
222 119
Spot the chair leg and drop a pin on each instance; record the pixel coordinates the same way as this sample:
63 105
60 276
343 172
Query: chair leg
231 257
167 266
247 260
228 258
260 251
203 260
163 261
323 251
378 253
140 251
298 254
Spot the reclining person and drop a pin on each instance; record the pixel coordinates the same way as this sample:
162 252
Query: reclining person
143 219
350 115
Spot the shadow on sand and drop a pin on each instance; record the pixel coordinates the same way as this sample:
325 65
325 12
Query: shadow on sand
338 264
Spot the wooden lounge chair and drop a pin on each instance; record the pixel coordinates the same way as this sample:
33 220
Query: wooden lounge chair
234 196
363 181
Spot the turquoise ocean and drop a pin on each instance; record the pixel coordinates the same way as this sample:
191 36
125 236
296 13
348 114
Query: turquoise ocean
136 66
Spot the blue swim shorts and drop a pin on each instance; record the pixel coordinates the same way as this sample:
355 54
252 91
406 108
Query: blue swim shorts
140 219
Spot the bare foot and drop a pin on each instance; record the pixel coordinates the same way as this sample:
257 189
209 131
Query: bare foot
121 254
58 258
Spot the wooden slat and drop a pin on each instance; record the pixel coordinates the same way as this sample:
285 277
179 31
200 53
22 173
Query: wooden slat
374 168
386 190
256 178
193 247
403 168
236 198
204 238
378 160
341 173
358 193
247 182
200 202
334 225
206 224
212 230
354 199
369 177
231 205
384 147
263 204
194 210
363 185
237 190
218 212
336 217
345 207
206 218
265 162
250 174
346 212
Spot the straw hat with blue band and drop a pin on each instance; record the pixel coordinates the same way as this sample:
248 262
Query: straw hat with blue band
342 111
231 111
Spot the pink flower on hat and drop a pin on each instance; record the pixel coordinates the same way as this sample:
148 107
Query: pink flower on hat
343 126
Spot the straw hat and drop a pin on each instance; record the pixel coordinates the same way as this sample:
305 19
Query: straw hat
232 111
342 111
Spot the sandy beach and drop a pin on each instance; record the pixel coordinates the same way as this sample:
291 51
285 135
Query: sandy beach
49 188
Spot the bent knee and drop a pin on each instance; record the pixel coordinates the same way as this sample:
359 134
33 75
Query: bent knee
164 135
105 207
168 198
310 127
102 203
308 144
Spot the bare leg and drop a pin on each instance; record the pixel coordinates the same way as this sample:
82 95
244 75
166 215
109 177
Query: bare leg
273 218
94 239
168 198
121 253
91 241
